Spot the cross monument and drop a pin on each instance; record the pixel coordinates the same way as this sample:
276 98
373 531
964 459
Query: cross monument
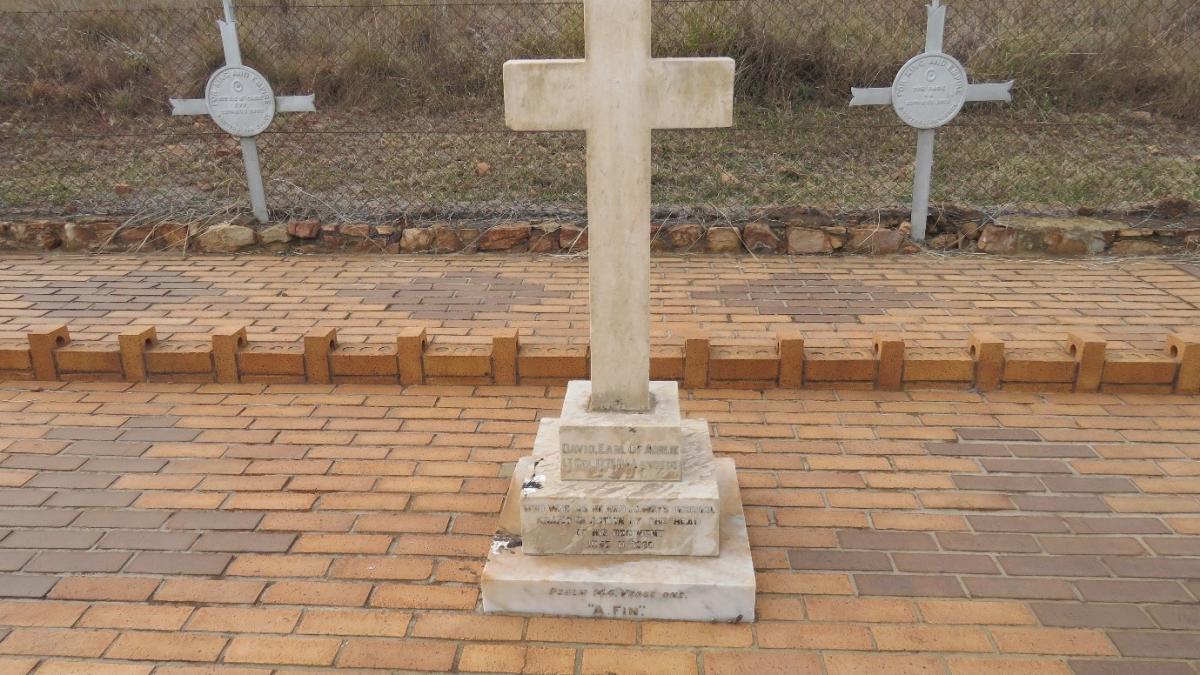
621 510
928 93
618 94
240 100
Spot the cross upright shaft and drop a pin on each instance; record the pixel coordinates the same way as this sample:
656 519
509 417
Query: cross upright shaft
618 158
618 94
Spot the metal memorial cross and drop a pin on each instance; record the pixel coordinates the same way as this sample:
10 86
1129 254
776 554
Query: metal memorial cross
618 93
928 93
240 100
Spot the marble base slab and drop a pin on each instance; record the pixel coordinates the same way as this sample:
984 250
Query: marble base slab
717 588
610 517
619 445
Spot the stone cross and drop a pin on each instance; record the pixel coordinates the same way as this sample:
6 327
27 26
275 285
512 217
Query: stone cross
928 93
618 94
240 100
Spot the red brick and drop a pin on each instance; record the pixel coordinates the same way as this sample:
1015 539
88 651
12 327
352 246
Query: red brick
135 616
160 646
41 613
254 565
21 666
290 650
814 636
382 568
517 659
1005 666
468 627
975 612
398 654
1053 641
376 622
930 639
104 588
883 664
88 668
866 610
761 663
606 661
598 631
317 593
57 642
243 620
209 591
342 543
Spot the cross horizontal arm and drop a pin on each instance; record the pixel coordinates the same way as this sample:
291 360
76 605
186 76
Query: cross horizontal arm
879 96
546 95
189 106
295 104
691 93
996 91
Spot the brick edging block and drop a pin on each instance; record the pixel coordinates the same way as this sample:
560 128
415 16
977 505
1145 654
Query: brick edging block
1081 364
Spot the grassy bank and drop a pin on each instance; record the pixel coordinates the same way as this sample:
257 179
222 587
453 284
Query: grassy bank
446 56
806 156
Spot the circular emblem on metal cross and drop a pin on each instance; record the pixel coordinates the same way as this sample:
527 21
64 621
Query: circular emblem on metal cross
930 91
240 101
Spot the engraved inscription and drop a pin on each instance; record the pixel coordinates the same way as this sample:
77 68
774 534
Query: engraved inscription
930 91
240 101
620 528
617 601
618 461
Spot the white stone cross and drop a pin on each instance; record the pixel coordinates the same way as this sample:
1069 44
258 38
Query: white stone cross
239 99
928 93
618 94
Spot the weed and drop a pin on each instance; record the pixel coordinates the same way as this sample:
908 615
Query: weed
446 56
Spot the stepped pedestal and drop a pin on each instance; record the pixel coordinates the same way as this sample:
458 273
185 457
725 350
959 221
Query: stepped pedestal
622 544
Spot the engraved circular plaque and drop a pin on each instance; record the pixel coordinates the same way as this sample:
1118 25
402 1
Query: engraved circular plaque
240 101
930 91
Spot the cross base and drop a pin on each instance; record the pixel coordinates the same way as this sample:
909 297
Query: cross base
621 446
681 588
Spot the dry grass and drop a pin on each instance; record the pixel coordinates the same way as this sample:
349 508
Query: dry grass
428 72
1066 55
809 156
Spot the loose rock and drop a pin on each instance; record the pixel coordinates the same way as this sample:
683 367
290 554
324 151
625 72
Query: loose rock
760 238
504 237
723 240
684 235
876 242
416 239
1139 247
226 238
276 234
573 238
803 241
304 229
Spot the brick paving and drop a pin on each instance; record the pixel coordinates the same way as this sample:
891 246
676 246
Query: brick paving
835 302
205 528
244 528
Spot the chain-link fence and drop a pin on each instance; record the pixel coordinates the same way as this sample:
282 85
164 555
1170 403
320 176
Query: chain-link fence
1106 108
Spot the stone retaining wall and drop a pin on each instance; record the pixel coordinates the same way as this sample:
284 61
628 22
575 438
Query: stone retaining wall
1083 364
1171 226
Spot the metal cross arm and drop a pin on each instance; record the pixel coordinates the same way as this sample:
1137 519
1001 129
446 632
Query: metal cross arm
976 93
927 94
283 104
240 101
